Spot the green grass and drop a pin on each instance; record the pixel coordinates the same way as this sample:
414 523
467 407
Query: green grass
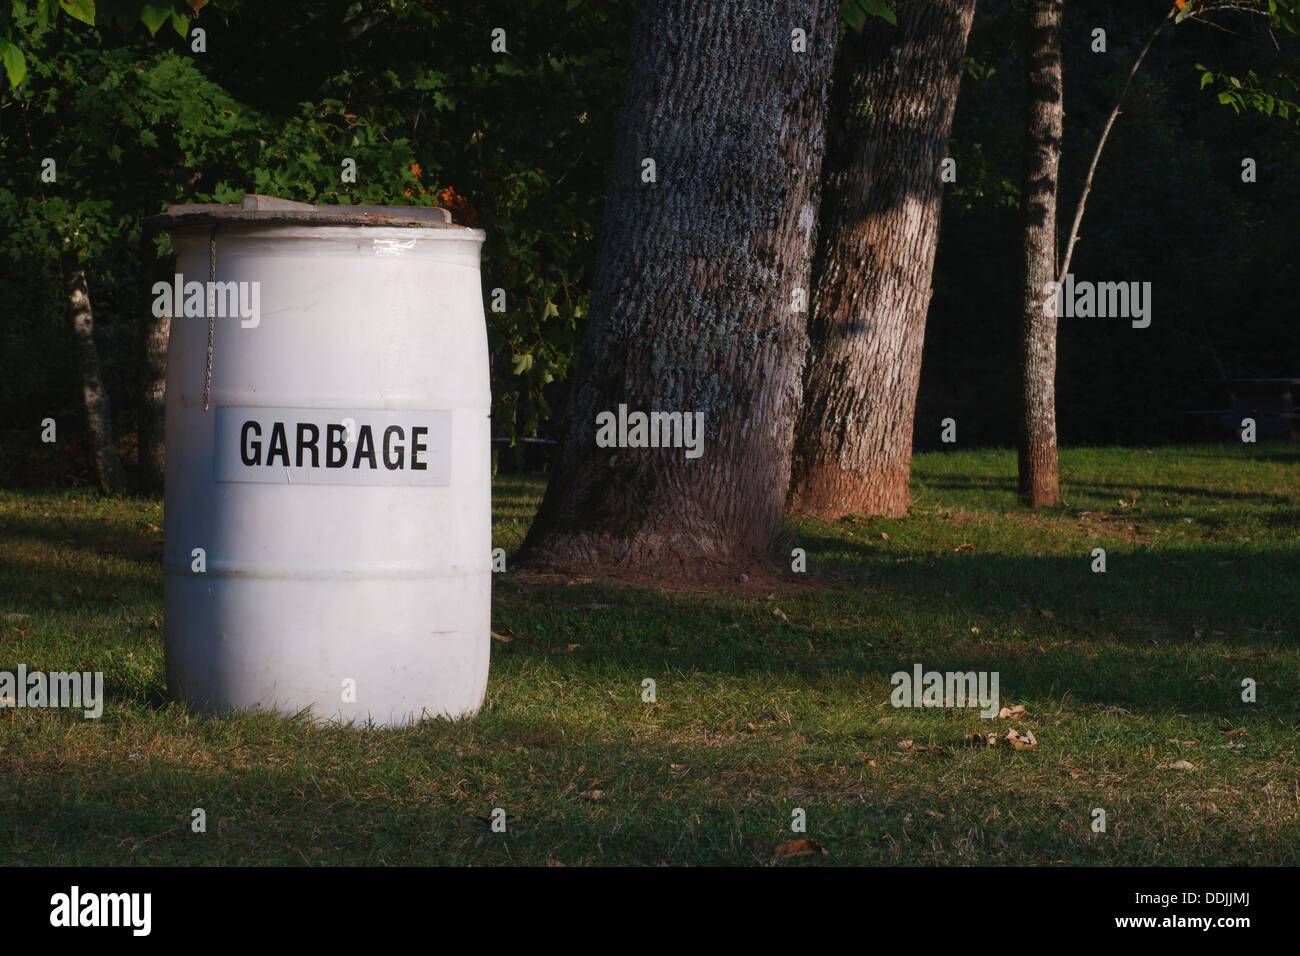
764 704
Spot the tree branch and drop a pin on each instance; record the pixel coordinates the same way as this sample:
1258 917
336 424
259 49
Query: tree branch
1101 144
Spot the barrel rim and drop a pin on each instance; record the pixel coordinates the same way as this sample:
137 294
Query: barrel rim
270 210
168 221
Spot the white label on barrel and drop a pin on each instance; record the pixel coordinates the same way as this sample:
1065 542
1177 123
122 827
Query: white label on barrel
314 446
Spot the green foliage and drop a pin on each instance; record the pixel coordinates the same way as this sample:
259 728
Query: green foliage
516 143
1268 89
980 183
18 18
1277 92
856 12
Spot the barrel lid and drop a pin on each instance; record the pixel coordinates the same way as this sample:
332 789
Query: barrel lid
269 209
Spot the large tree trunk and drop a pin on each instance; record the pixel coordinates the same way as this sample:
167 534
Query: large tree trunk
1039 485
151 416
108 466
893 99
694 305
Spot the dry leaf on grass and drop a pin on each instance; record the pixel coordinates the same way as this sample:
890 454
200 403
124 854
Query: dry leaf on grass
1025 741
797 848
1176 765
499 637
592 795
922 748
1012 713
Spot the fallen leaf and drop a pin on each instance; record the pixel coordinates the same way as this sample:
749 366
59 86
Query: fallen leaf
1176 765
777 612
553 862
797 848
573 647
1012 713
499 637
964 547
1027 741
922 748
883 536
592 795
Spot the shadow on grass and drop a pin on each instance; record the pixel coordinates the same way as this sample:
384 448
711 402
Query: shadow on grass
1168 629
1159 632
654 809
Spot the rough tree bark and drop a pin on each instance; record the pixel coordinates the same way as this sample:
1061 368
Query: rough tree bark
1039 482
892 104
108 466
693 304
152 401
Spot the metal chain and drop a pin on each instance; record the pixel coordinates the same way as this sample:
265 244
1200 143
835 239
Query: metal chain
212 311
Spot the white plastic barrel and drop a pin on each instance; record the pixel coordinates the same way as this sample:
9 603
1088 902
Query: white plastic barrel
328 515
